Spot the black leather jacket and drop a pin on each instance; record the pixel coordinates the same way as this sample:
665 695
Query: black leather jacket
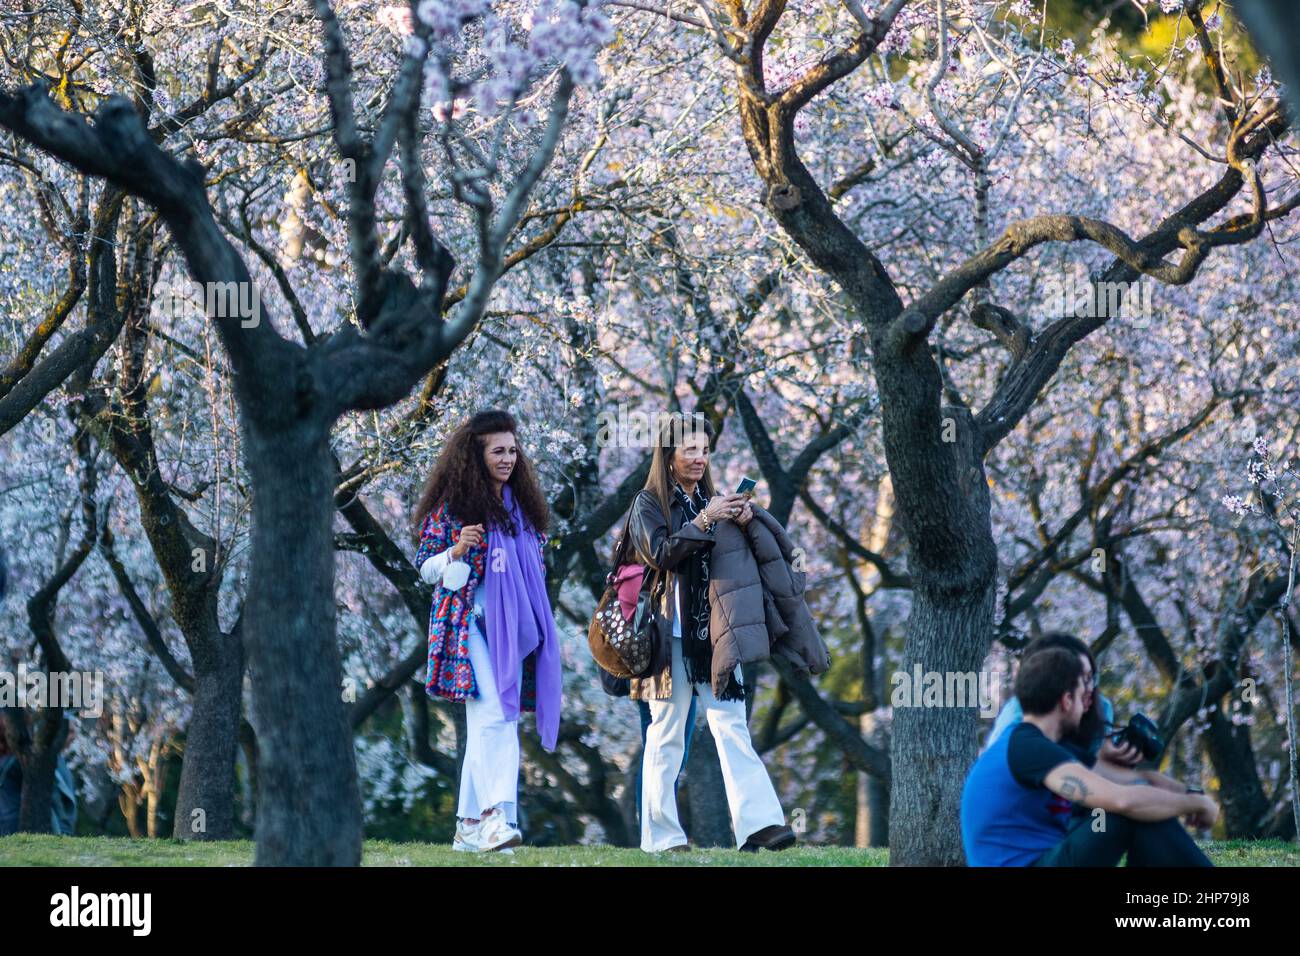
662 543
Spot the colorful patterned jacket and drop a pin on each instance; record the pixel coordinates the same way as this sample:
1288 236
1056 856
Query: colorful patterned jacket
450 674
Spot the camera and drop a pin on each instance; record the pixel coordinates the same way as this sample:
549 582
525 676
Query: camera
1143 734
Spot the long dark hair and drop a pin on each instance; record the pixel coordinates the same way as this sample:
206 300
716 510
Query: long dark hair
1090 727
460 479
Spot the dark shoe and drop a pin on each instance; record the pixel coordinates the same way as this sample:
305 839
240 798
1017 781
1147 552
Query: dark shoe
680 848
775 837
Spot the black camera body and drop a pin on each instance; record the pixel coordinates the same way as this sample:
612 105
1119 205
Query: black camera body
1143 734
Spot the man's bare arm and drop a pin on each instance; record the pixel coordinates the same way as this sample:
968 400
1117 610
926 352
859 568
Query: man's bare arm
1078 784
1118 773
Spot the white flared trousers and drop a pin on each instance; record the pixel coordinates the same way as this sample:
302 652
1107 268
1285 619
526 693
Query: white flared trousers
751 798
490 776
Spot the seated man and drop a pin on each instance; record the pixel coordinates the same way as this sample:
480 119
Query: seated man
1016 805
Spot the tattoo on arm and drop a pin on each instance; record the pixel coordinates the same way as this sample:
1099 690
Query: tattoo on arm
1072 788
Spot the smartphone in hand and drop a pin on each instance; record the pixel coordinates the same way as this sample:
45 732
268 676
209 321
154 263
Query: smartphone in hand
746 487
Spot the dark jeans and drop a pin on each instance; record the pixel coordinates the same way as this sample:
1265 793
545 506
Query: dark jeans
644 708
1148 844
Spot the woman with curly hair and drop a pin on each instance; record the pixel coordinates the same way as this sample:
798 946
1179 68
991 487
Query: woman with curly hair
492 640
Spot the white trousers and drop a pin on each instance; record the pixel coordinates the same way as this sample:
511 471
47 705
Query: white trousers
490 776
751 798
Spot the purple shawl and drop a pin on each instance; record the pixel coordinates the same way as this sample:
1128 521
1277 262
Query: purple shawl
519 620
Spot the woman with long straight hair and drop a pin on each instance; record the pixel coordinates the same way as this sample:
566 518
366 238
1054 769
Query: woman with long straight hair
492 641
672 531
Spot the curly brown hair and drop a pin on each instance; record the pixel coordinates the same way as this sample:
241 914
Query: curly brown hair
459 478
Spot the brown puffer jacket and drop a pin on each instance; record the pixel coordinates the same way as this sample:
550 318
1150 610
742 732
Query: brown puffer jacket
756 601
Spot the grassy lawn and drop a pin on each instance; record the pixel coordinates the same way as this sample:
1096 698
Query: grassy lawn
29 850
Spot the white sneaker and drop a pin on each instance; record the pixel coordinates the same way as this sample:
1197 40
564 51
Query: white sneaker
468 837
497 834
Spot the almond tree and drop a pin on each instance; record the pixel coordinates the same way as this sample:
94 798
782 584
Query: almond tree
935 443
290 395
36 738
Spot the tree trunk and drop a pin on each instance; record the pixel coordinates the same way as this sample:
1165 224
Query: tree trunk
155 782
876 825
710 823
36 740
1245 805
935 456
932 748
128 802
36 805
309 805
627 801
1271 24
205 801
248 749
872 825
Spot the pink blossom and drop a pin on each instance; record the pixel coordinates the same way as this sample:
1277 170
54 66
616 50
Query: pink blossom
395 18
1235 504
458 108
882 96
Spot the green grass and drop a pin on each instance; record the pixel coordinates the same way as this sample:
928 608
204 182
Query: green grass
37 850
32 850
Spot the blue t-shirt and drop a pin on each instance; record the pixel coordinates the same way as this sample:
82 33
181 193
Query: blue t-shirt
1008 817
